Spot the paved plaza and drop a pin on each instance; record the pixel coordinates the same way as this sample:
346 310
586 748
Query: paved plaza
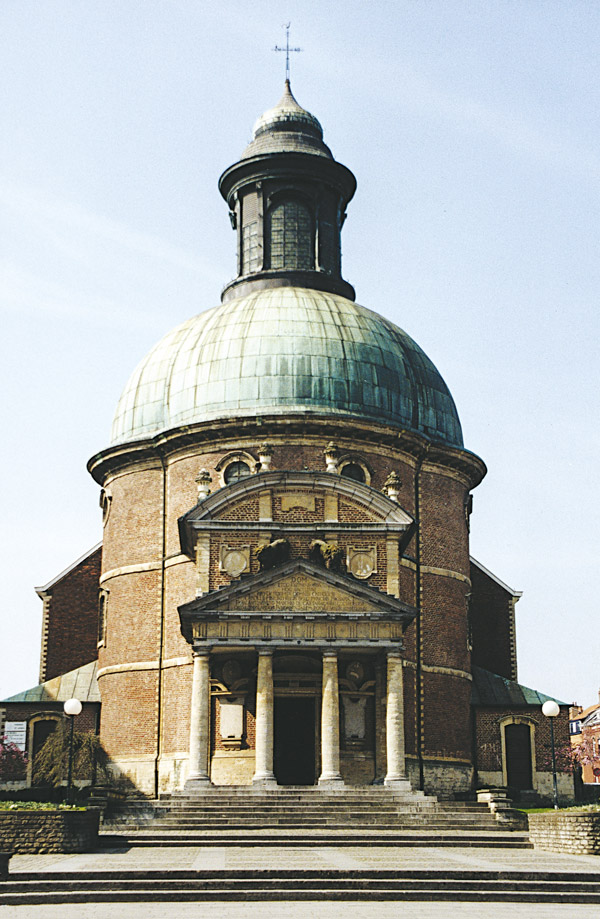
195 858
286 909
345 857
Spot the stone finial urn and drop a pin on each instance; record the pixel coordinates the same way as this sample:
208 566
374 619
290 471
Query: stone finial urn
391 486
203 481
332 455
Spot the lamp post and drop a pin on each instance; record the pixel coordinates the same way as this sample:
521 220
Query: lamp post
550 709
72 707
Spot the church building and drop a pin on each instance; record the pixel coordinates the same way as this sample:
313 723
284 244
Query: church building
284 591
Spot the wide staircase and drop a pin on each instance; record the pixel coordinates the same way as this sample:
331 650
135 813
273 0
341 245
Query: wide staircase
301 816
303 828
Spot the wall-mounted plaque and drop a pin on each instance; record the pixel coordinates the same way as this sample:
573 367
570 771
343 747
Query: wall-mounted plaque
16 732
231 717
361 562
231 672
354 718
235 560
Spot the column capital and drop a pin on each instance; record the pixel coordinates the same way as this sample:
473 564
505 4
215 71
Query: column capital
265 652
395 655
200 652
330 652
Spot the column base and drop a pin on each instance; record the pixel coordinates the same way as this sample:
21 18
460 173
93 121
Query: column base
265 779
398 782
331 778
196 784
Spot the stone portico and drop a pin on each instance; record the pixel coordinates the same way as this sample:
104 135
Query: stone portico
264 774
295 642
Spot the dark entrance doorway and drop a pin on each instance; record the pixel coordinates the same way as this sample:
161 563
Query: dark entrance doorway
294 753
518 756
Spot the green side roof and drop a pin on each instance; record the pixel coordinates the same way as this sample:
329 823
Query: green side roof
491 689
81 684
286 350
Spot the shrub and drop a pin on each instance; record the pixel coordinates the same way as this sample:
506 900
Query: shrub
13 762
90 760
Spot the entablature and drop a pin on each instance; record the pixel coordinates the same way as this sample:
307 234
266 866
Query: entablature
288 629
296 602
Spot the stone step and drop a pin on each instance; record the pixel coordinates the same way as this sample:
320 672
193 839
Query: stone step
315 806
312 813
304 820
310 792
268 885
305 825
316 838
382 790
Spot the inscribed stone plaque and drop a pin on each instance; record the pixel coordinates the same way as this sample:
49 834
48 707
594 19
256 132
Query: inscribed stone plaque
354 718
232 719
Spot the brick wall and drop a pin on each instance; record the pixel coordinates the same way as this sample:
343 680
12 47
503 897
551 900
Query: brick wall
488 743
142 616
72 619
491 624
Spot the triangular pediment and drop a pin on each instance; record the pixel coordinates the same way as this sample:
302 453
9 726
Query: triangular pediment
302 593
297 586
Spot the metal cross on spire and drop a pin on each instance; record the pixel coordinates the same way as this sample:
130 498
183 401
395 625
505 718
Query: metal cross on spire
287 49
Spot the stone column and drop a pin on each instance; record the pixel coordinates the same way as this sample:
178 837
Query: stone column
263 773
199 720
330 722
394 723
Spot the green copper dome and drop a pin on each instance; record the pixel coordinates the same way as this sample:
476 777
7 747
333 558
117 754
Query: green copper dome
283 351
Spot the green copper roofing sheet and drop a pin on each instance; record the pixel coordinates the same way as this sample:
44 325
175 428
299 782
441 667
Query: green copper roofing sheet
283 351
81 683
491 689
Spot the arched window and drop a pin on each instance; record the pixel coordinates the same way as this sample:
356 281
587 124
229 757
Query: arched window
236 471
353 471
290 235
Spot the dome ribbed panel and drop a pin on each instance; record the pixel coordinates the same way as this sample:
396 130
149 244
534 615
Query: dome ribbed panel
283 351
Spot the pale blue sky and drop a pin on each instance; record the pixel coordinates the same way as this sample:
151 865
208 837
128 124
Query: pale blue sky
472 128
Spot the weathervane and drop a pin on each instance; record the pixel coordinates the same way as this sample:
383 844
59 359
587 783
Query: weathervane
287 49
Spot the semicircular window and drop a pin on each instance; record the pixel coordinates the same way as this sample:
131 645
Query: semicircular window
353 471
236 471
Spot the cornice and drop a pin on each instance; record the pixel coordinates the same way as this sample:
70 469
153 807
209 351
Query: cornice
212 434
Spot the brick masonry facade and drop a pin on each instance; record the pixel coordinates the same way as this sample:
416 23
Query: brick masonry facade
70 618
491 614
146 660
464 616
